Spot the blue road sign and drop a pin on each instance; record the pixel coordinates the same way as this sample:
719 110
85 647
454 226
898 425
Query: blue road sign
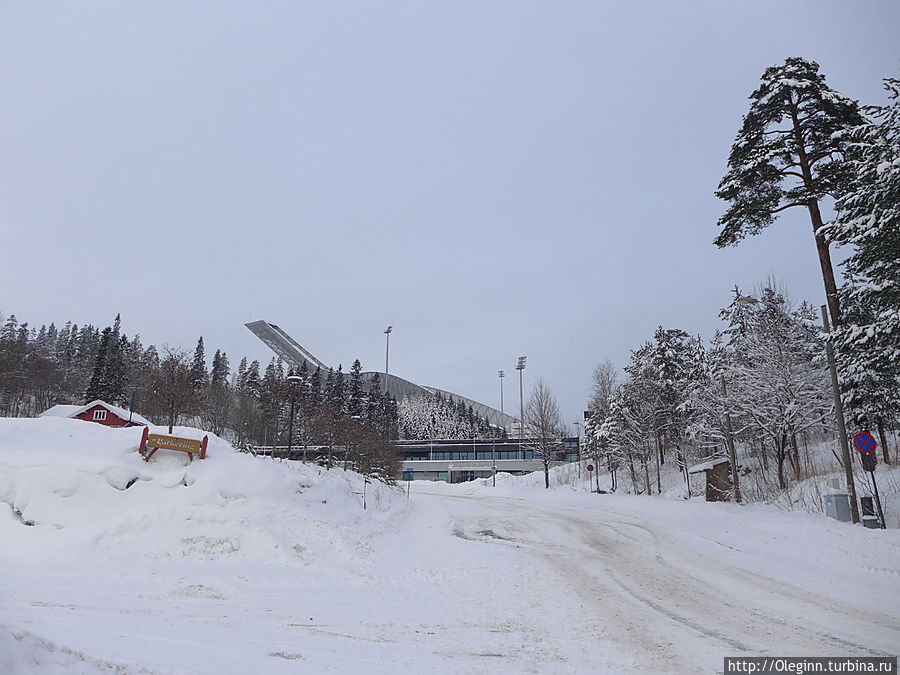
864 442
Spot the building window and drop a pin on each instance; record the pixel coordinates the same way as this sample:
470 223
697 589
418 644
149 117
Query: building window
99 415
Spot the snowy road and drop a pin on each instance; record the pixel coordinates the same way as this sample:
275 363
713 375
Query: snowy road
242 565
665 607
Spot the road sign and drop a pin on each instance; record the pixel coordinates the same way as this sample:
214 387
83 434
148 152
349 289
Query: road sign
864 442
590 467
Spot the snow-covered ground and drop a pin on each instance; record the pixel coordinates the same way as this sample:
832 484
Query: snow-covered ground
238 564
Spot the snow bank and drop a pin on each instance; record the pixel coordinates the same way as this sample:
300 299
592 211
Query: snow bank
84 487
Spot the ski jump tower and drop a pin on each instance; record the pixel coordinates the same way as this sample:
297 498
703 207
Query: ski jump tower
295 354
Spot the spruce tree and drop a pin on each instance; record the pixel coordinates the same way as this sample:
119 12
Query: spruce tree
789 152
328 390
315 390
97 386
869 220
220 370
336 399
199 375
117 371
355 398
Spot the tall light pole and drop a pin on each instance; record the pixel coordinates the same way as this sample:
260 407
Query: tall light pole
387 353
520 366
501 375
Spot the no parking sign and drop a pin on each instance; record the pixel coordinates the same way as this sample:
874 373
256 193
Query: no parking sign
865 443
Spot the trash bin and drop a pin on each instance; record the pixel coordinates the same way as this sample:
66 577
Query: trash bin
869 519
837 505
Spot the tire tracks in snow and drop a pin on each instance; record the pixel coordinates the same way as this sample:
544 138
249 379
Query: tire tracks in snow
672 608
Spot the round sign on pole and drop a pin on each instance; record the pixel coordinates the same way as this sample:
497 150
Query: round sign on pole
590 467
864 442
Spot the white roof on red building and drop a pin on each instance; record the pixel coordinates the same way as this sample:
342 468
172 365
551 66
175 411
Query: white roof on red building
62 410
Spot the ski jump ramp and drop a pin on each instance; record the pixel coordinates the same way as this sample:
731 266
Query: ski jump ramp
294 354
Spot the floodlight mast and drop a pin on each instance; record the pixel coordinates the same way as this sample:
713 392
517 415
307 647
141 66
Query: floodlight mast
387 353
520 366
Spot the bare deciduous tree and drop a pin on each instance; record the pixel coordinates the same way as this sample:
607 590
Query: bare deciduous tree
544 426
172 393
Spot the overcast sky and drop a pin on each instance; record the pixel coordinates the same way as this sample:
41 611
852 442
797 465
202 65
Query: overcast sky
492 178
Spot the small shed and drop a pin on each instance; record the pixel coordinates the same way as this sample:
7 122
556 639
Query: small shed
99 412
718 479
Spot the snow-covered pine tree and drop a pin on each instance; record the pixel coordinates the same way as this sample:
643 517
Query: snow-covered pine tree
271 400
789 152
869 220
777 382
337 397
355 394
199 376
315 390
220 370
98 384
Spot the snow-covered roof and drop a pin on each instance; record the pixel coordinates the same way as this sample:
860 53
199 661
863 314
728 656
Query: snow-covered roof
76 410
708 466
61 410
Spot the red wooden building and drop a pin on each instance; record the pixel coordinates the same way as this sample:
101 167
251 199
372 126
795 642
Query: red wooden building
98 411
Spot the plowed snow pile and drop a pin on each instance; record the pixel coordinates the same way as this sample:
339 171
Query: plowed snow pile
82 512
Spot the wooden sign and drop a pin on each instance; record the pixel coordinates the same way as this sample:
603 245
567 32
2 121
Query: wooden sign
173 443
153 442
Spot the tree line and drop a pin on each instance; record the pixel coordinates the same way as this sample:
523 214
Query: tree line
763 379
75 365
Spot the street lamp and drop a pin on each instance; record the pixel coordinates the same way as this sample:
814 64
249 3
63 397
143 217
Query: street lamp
501 375
520 366
293 382
387 352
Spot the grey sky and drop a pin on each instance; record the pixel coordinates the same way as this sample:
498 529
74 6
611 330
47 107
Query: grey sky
493 179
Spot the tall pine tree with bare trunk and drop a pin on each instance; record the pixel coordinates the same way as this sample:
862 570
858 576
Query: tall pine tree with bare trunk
789 152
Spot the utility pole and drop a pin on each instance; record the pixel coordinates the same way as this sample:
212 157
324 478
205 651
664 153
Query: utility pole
839 414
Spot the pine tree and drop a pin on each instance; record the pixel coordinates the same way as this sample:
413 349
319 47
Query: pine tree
98 385
252 380
199 376
789 152
272 398
355 398
869 220
315 390
117 370
777 385
220 370
336 398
